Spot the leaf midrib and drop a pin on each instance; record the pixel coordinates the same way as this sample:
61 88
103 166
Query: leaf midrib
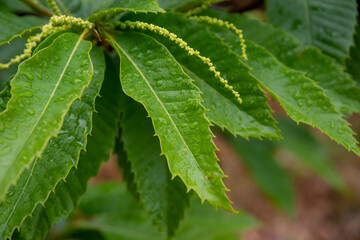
162 105
53 92
282 101
52 95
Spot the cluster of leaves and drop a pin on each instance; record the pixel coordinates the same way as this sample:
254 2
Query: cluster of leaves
158 102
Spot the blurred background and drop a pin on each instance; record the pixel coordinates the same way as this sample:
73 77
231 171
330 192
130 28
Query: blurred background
302 205
298 194
304 188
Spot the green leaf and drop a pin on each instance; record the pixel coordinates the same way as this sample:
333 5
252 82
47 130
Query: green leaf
353 62
99 9
244 119
112 218
328 25
125 220
5 95
48 41
272 179
167 4
36 110
14 6
164 199
60 155
8 51
127 175
150 75
103 199
309 151
13 26
94 9
278 42
301 98
115 219
252 118
67 193
339 86
88 7
298 94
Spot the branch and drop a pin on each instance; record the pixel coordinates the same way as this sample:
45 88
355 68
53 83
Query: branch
36 7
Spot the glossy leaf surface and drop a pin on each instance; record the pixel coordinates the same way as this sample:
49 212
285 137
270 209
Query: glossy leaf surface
252 118
339 86
99 9
67 193
164 199
301 98
151 76
60 155
326 24
299 95
36 110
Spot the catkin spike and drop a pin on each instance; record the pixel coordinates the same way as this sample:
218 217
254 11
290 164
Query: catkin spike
71 21
182 44
227 25
202 7
56 23
54 7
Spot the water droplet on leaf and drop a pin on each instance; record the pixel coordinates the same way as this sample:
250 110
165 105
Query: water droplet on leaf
30 111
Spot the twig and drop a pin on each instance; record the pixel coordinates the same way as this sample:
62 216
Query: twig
36 7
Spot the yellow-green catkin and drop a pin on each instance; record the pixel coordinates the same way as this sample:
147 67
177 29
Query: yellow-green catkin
202 7
227 25
56 23
70 21
182 44
54 7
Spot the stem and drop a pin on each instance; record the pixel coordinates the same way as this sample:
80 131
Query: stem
36 7
82 36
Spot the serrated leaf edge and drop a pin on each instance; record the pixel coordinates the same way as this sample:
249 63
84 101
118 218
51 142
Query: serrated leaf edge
110 38
61 179
356 150
20 35
139 196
